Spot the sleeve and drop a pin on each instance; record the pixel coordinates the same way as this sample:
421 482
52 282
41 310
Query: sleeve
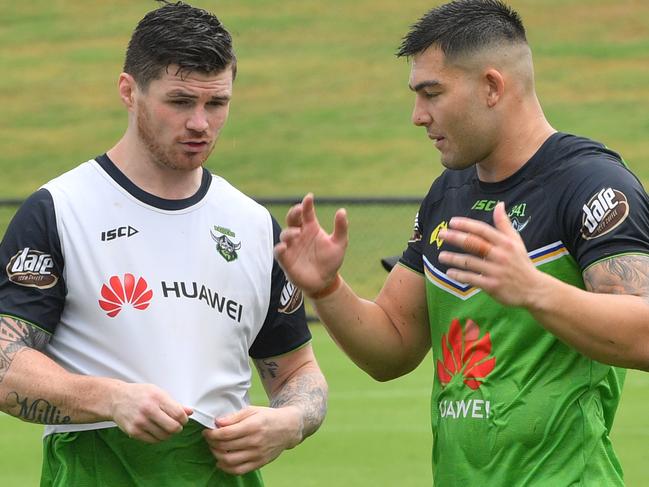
606 213
32 287
412 256
285 328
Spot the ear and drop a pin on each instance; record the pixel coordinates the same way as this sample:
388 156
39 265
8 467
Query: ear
495 84
127 88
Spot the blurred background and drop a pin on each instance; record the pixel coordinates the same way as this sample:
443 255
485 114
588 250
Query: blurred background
320 104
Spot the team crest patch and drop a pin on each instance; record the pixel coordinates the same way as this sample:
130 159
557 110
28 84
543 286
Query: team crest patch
434 236
224 243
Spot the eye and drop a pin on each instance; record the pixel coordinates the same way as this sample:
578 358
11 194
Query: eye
179 102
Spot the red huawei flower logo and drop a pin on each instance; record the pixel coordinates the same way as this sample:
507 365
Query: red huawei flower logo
124 291
466 355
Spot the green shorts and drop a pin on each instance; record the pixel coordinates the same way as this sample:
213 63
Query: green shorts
109 458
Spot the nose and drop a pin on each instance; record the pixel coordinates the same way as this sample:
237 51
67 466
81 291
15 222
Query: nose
198 120
420 116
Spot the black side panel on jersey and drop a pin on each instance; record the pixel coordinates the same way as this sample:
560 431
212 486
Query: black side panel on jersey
285 328
32 286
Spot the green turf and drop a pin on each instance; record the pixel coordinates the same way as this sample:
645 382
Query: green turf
320 104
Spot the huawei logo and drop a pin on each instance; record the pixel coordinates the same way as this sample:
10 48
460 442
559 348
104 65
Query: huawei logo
466 354
124 291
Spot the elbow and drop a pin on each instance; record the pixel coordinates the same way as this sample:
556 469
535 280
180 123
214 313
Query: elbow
385 374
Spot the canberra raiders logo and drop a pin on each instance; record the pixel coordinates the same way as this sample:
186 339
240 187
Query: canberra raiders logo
224 245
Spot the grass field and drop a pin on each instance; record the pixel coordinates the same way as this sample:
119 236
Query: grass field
321 104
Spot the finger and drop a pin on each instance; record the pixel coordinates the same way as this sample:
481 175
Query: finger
308 209
468 242
471 278
477 246
235 417
175 412
294 216
341 226
475 227
502 221
466 262
289 234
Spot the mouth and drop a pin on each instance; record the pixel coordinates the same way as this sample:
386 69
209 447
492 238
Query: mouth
438 139
195 145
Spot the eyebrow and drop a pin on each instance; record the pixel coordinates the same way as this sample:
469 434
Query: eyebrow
184 94
425 84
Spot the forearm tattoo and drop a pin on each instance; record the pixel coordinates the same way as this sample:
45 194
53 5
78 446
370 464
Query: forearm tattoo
35 410
15 336
307 391
627 274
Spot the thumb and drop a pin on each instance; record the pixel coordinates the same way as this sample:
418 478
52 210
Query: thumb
341 226
501 220
234 418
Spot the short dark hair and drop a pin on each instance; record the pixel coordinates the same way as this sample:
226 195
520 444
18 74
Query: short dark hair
464 26
177 33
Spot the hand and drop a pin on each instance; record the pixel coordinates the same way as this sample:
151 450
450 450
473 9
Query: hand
497 260
307 253
253 437
147 413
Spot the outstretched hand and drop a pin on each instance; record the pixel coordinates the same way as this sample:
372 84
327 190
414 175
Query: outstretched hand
496 259
309 255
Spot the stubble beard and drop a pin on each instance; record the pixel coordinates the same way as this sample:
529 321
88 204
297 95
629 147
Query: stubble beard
164 156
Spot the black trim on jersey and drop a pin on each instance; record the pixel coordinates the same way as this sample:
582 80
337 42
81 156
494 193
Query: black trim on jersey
281 333
151 199
33 227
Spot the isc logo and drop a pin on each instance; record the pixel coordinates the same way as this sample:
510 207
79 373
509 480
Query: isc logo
117 233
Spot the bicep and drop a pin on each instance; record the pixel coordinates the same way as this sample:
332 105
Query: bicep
403 299
17 335
625 274
274 372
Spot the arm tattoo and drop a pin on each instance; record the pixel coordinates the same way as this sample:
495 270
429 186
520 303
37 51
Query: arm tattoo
307 391
267 369
37 411
627 274
15 336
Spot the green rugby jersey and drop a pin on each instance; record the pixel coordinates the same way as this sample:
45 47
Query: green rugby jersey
512 405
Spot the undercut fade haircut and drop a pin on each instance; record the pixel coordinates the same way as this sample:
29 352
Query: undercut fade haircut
179 34
464 27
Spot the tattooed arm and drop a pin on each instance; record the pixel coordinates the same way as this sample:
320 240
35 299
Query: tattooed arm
255 436
610 321
36 389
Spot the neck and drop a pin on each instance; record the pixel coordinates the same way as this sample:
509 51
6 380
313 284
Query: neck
521 138
138 165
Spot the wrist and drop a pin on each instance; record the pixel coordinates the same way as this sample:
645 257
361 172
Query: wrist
329 289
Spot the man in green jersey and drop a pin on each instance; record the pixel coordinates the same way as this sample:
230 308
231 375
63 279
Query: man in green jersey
527 272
